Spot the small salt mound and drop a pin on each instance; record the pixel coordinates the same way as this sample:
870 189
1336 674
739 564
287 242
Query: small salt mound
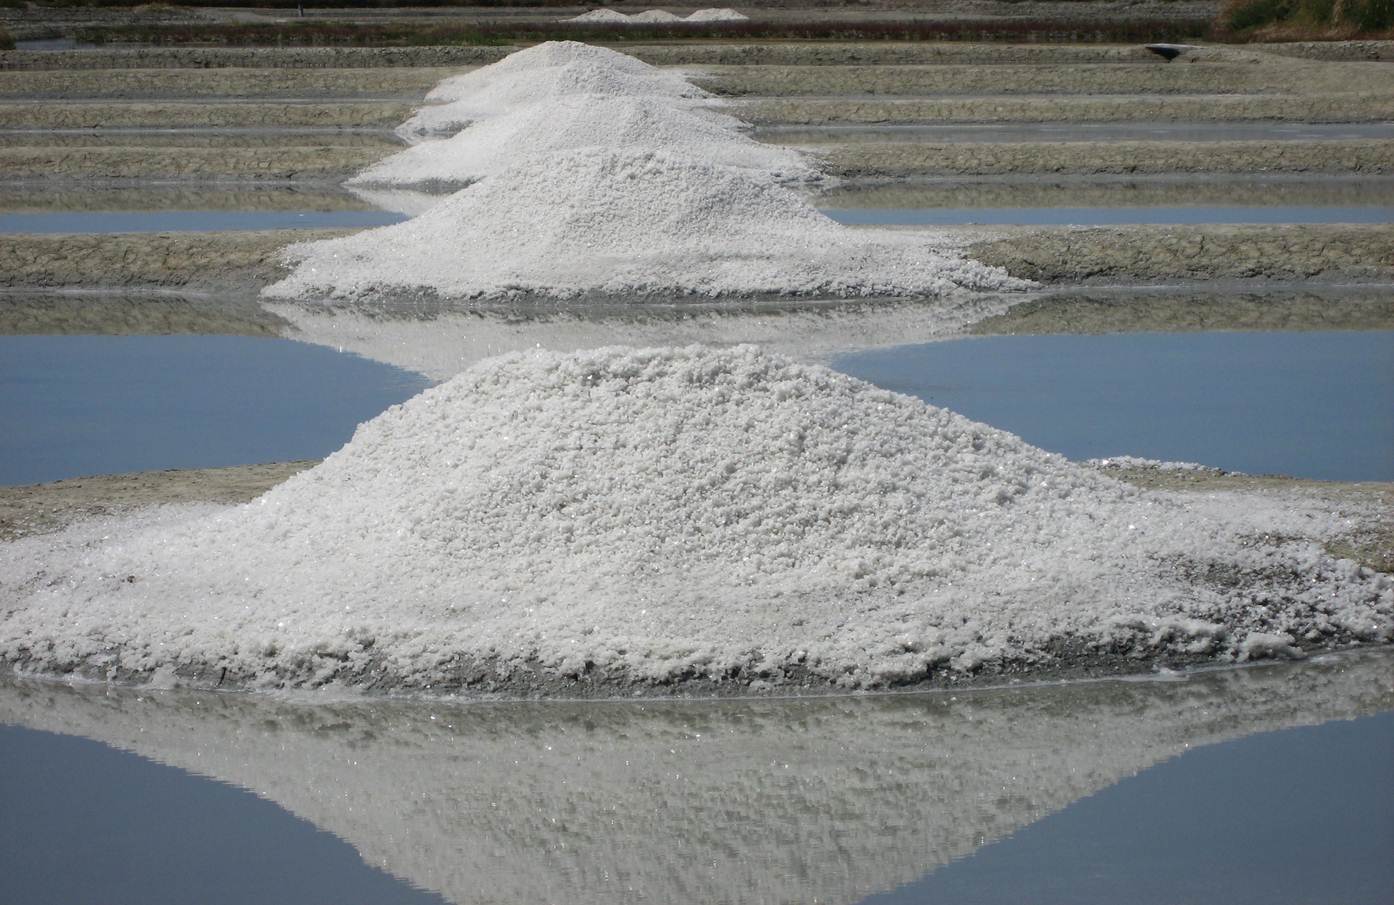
626 223
581 121
654 15
547 55
600 17
662 515
722 14
510 90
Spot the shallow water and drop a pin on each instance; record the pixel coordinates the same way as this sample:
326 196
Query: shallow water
190 221
1107 216
1312 404
1117 131
1256 785
82 405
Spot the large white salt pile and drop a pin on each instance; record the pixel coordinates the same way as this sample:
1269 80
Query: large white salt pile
717 14
582 121
626 223
510 90
666 515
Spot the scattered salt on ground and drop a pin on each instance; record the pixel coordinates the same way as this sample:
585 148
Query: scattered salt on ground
666 515
627 223
1139 462
654 16
721 14
582 121
509 91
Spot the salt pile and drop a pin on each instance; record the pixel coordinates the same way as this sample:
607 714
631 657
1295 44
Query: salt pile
508 91
722 14
672 516
582 121
600 17
652 16
626 223
547 55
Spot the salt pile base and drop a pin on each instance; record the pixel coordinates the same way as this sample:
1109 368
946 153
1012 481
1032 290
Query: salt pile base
673 518
626 224
582 121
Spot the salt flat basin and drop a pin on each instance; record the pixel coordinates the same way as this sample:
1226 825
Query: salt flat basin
50 222
957 796
1107 216
80 405
1310 404
1074 131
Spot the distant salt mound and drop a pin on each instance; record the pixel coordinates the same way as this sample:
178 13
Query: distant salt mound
651 16
582 121
667 516
600 17
626 223
547 55
722 14
507 91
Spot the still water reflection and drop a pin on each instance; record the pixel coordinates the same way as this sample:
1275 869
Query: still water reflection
826 800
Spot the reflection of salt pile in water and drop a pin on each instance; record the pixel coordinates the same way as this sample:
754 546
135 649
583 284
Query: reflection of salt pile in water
817 800
488 92
582 121
717 14
625 223
662 516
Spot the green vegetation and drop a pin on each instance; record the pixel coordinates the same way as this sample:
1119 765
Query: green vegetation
7 41
1307 18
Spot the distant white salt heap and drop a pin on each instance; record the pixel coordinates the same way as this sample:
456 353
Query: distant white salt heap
654 16
582 121
626 223
663 516
600 17
717 14
486 92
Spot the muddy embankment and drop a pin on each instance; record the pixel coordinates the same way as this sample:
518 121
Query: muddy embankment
283 163
226 261
893 160
1061 255
140 84
34 116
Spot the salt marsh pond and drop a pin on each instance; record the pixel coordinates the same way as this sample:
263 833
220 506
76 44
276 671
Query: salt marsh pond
1232 308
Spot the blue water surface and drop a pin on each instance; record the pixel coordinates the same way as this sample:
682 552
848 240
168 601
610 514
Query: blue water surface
1316 405
51 222
83 405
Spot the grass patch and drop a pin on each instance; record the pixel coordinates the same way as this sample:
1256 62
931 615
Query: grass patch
1306 19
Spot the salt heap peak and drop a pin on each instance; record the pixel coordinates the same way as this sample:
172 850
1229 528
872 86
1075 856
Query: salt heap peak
581 121
626 223
513 89
654 16
547 55
717 14
665 516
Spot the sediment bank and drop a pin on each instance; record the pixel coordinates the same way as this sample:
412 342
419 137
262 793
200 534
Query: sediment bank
1048 255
